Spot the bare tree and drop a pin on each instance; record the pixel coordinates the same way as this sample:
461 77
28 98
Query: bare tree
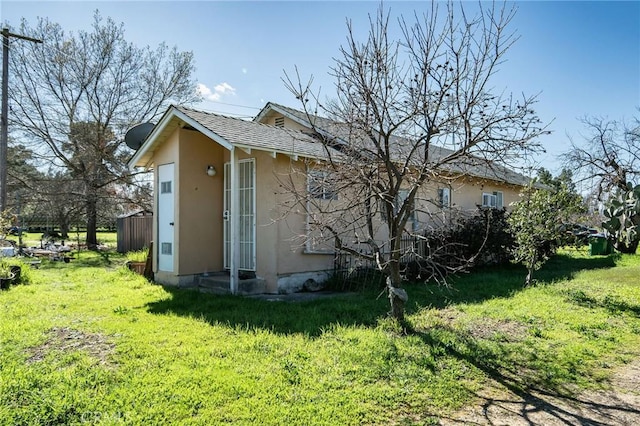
410 112
74 97
609 159
609 154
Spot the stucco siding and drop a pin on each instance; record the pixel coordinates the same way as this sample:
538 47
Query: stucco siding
283 259
200 241
467 193
293 256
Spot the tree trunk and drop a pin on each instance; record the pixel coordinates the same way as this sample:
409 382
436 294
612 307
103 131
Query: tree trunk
64 228
527 280
92 221
397 296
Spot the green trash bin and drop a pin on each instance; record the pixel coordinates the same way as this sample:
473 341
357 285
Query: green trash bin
599 246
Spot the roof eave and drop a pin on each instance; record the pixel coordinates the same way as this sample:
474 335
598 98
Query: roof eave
272 107
263 113
150 141
204 130
139 159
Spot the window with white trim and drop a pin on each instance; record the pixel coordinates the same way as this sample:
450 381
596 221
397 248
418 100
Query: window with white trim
319 185
494 199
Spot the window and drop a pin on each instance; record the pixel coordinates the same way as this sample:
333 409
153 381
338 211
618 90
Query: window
165 248
165 187
320 187
401 197
444 197
493 200
403 194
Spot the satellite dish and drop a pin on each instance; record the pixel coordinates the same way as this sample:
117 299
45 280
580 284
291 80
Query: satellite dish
137 134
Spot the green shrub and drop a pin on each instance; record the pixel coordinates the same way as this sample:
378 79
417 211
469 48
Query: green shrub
137 255
7 266
5 269
470 241
484 236
623 219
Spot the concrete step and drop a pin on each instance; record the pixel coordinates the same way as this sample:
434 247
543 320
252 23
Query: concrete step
220 284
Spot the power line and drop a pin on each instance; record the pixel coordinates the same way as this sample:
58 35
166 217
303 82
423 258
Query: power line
234 105
230 114
226 113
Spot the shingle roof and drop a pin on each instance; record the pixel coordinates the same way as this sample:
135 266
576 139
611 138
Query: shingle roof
229 131
473 166
259 136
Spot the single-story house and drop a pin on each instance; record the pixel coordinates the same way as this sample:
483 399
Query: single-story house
218 197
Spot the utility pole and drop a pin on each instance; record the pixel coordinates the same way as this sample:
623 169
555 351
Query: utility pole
5 112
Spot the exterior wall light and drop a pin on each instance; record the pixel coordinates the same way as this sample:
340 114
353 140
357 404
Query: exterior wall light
211 171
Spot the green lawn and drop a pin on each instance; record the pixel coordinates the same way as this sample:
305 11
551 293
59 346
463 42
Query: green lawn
90 342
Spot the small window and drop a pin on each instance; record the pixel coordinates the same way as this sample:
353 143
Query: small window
403 194
165 187
444 197
166 248
494 200
279 122
320 186
488 200
499 202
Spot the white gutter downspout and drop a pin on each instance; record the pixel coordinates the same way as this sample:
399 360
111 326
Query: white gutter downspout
234 223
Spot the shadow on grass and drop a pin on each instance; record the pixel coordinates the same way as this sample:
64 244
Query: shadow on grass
564 266
538 391
364 308
613 304
536 380
494 282
309 317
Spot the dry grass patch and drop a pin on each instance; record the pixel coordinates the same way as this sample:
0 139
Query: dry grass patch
482 328
67 340
497 329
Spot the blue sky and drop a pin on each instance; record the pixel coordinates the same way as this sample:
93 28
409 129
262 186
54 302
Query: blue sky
583 58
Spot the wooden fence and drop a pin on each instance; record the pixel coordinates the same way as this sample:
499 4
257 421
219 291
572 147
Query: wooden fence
135 231
351 268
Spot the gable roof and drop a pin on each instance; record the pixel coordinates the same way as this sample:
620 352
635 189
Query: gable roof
342 133
229 132
234 132
326 127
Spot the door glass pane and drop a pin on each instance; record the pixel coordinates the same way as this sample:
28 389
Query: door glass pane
165 187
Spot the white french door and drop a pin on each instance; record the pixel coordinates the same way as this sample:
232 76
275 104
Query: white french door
246 214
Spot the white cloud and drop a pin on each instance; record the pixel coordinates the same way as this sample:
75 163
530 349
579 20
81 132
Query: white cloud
217 92
244 70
